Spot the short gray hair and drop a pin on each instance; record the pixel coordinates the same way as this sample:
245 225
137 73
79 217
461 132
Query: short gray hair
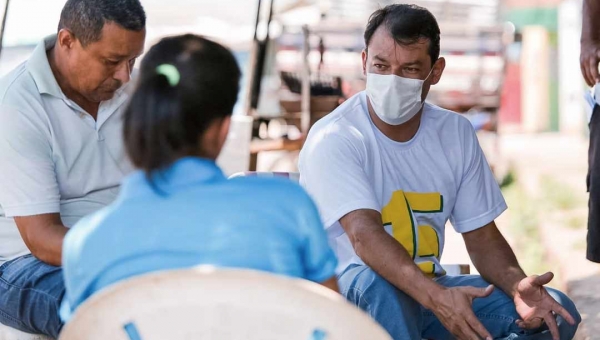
86 18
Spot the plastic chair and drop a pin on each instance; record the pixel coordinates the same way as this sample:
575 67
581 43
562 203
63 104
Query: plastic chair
8 333
225 304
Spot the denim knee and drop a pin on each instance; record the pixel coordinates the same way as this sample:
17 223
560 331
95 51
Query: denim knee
397 312
30 295
566 330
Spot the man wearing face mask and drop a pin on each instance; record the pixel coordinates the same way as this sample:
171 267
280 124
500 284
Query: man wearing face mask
61 149
388 170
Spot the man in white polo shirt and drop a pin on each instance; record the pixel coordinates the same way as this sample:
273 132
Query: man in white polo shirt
388 171
61 153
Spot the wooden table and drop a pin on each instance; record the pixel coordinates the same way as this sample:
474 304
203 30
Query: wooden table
280 144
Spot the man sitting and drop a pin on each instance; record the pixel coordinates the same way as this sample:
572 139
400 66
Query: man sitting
61 150
388 171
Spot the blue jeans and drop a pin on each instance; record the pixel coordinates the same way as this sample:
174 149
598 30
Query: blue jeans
30 295
405 319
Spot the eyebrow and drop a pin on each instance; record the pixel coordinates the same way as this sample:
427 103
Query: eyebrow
413 63
377 57
410 63
120 56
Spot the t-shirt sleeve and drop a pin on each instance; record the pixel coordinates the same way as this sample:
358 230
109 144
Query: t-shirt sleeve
479 200
28 184
331 170
319 259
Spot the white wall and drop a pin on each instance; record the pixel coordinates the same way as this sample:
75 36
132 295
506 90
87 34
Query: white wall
571 84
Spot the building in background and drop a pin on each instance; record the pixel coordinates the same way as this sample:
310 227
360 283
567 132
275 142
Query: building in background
473 42
544 88
534 78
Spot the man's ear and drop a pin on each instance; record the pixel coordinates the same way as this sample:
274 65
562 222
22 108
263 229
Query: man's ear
66 39
438 70
364 56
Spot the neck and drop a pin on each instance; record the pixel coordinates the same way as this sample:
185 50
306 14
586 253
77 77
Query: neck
399 133
64 84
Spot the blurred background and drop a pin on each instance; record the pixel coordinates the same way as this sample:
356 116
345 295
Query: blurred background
512 69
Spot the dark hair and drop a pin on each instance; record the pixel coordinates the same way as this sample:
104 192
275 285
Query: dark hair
165 120
406 24
86 18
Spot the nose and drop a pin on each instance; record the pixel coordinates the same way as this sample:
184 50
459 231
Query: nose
123 73
397 71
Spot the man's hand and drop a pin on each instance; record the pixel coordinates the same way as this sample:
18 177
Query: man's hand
589 59
536 306
454 309
387 257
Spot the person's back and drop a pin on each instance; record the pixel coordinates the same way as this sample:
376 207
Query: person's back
179 210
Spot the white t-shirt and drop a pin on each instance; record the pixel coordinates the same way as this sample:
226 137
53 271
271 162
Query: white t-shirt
54 157
348 164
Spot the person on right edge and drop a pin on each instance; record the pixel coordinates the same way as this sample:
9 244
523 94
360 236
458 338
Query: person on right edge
590 56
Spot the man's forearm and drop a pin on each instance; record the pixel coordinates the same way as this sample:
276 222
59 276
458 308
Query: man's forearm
50 252
495 260
390 259
590 31
43 235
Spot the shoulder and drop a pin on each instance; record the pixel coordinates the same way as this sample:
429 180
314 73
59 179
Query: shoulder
347 127
268 182
18 87
20 102
347 119
435 112
448 122
277 189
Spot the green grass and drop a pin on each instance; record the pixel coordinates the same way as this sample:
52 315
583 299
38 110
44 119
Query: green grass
557 195
556 201
508 179
576 222
524 221
579 245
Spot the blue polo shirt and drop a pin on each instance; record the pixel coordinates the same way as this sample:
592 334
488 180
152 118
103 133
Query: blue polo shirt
194 215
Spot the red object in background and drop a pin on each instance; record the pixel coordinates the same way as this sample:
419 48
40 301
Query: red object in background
510 102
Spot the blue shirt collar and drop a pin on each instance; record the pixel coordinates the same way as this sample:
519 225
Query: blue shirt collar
185 172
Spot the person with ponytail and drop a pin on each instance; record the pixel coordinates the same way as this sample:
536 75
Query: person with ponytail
178 210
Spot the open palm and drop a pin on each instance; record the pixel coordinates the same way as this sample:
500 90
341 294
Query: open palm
536 306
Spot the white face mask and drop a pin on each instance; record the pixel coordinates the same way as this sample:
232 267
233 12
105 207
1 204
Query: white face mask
395 99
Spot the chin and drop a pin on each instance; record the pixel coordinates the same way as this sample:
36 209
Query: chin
101 97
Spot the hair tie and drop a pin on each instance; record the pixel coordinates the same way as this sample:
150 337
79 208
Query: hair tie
170 72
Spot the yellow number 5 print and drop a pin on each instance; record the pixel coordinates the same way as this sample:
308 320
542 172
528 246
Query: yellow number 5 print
423 238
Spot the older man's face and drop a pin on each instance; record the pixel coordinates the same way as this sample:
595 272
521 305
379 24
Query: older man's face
99 69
